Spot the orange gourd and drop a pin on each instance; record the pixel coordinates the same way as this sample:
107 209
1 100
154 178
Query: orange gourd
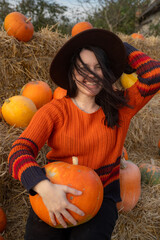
59 93
124 153
137 36
130 185
18 26
79 177
18 111
81 26
0 113
3 220
1 238
38 91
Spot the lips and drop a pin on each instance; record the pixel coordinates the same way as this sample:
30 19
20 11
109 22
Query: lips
89 83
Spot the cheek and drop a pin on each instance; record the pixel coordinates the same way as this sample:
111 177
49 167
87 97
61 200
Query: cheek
77 76
100 73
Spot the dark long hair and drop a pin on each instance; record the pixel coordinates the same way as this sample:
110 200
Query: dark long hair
109 99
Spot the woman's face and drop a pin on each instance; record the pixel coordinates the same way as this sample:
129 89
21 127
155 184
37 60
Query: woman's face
88 85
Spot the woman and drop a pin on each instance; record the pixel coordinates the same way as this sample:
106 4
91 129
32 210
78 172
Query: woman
91 122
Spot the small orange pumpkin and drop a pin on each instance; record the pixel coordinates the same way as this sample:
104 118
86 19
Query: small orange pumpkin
3 220
38 91
0 113
124 153
59 93
18 111
79 177
130 185
18 26
159 146
137 36
127 80
81 26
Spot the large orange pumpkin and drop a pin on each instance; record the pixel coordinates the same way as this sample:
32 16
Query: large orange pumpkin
18 26
3 220
18 111
130 185
79 177
38 91
81 26
137 36
59 93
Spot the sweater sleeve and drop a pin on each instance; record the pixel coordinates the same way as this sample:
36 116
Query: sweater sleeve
22 157
148 83
147 69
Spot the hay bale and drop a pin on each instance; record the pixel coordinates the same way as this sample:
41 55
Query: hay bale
22 62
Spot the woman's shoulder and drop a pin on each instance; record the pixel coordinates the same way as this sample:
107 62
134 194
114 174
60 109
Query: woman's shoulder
57 105
60 102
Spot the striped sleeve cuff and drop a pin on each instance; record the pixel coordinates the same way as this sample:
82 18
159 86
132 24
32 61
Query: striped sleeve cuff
31 177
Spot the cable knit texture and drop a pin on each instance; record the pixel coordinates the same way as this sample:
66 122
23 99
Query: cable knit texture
71 132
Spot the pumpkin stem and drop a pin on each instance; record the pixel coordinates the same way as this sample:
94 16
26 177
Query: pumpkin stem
28 19
123 163
75 160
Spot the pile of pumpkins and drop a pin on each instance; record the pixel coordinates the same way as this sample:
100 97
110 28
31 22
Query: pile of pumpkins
18 110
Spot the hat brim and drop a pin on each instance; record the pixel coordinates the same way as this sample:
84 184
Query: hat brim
106 40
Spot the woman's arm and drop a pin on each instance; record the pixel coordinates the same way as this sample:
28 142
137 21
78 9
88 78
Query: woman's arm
148 83
22 157
23 165
147 69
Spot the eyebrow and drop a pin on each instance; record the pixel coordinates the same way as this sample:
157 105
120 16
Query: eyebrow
81 65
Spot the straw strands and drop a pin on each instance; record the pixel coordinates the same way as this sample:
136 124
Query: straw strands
20 63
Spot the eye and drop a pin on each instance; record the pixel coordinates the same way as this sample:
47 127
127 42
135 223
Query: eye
98 67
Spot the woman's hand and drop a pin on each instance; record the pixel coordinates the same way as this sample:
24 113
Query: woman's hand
54 198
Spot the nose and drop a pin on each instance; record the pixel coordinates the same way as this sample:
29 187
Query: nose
91 73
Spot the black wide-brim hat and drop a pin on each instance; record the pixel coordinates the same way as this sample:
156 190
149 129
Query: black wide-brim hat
106 40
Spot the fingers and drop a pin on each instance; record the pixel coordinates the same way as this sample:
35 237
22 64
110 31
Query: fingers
59 216
71 190
52 219
60 219
75 209
64 213
68 216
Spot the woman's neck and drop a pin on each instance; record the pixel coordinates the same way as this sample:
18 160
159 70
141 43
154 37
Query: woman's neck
86 103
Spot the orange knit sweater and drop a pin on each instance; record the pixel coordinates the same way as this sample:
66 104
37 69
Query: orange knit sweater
71 132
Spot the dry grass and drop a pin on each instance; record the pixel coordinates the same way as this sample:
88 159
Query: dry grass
22 62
